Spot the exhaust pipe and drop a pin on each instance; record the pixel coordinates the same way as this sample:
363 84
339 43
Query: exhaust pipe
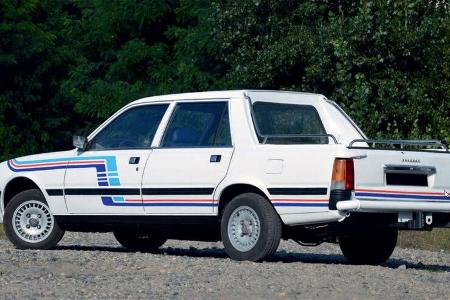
350 205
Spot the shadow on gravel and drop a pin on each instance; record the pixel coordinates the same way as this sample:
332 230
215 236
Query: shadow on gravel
280 256
396 263
392 263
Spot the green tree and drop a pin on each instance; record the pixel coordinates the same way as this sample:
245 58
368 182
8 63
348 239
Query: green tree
67 65
386 63
132 49
34 58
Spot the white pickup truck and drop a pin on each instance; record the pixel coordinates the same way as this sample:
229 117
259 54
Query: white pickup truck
244 167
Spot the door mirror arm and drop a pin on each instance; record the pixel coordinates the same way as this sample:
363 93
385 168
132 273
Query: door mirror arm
80 142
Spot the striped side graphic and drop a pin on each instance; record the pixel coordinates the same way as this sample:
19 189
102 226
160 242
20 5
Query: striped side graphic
302 197
116 196
166 197
105 166
375 194
108 182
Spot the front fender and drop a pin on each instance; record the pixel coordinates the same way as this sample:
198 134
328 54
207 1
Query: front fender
5 175
57 204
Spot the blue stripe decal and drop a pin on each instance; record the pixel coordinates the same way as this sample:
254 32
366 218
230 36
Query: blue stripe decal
119 199
117 202
114 181
182 204
109 201
97 166
402 196
110 161
302 204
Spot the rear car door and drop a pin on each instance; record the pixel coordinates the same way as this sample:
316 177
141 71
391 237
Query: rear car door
193 157
106 178
296 150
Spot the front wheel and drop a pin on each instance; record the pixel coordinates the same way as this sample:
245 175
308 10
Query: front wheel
372 246
28 222
139 241
250 228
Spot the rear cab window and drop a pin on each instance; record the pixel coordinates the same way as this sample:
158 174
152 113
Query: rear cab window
286 123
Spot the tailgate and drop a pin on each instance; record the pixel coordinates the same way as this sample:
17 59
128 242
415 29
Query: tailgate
400 180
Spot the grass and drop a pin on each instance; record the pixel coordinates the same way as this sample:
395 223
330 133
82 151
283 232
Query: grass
436 240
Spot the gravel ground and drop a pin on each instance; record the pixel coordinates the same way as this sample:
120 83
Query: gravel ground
95 266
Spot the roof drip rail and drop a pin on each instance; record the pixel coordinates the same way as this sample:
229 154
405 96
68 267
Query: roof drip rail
274 136
402 143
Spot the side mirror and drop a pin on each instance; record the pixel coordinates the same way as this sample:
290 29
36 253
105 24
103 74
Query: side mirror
80 142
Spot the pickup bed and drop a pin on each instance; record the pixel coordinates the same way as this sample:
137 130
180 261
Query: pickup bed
245 167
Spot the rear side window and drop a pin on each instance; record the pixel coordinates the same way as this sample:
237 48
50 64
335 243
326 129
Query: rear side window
198 125
134 128
280 119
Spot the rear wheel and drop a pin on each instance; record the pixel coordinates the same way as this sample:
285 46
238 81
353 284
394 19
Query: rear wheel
372 246
139 241
250 228
28 222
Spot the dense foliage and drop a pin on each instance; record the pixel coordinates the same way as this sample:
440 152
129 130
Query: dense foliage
67 65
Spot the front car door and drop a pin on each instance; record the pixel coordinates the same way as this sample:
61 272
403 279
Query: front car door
106 178
193 157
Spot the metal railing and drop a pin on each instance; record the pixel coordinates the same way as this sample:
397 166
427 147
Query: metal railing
287 136
402 143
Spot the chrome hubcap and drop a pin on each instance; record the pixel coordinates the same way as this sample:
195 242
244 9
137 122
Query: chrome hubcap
244 228
33 221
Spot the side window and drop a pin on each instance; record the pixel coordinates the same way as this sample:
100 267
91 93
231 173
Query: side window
198 125
288 119
134 128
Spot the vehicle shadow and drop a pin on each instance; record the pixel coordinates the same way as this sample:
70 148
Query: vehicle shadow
280 256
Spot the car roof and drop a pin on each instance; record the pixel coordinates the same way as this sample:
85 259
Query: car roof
217 95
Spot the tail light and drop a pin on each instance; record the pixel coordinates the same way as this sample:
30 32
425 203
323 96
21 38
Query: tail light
343 177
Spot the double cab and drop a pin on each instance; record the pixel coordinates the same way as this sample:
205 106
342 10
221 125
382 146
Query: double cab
245 167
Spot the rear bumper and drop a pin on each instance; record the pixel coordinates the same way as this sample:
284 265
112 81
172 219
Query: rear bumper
393 206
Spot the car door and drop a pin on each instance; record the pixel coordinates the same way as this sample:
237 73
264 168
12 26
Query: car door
106 178
191 160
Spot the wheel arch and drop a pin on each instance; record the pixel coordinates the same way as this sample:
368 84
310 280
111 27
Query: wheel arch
17 185
230 191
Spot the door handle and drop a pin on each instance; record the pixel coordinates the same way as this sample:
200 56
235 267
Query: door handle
215 158
134 160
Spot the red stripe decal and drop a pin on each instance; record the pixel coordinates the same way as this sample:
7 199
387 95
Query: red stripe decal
398 192
62 163
169 200
299 200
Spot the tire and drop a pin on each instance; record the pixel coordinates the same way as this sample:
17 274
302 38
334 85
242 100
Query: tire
371 247
139 241
260 237
28 222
